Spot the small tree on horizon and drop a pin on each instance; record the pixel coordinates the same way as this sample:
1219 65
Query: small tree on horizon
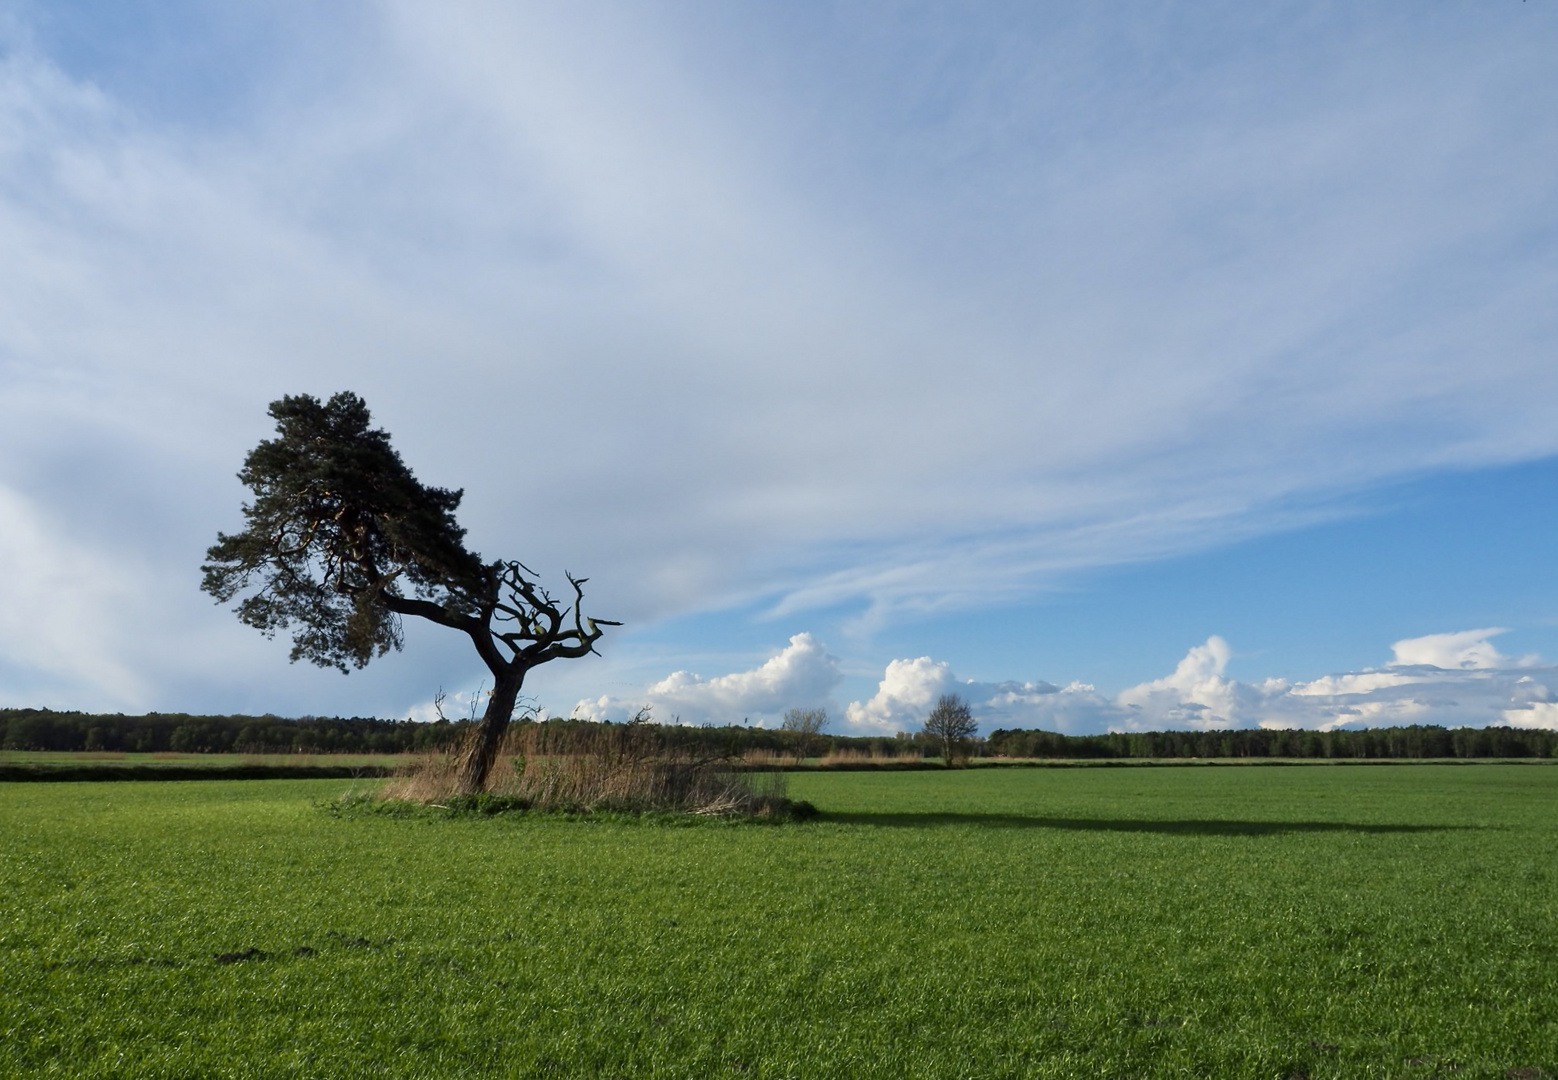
342 541
807 724
951 724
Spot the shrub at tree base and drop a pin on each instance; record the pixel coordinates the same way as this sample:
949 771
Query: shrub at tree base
617 768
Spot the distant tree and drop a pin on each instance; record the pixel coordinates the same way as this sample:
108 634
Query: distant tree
342 541
951 724
807 724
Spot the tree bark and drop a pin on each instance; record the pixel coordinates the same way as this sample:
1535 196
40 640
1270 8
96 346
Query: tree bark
489 737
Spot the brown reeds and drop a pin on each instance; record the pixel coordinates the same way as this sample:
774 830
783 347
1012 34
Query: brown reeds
763 758
844 756
622 767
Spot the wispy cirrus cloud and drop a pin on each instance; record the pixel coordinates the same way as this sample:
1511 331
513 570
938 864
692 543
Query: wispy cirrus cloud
741 326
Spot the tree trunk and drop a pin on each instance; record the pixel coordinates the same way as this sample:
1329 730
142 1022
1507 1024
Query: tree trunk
484 747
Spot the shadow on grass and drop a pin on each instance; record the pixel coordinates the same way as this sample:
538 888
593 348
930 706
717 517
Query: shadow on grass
1182 828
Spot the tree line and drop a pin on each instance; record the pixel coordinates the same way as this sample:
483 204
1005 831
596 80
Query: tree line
1399 743
45 729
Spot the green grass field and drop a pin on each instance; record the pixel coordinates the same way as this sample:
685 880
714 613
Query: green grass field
102 759
1386 921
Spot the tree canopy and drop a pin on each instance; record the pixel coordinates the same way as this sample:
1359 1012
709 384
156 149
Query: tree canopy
807 724
951 724
339 530
341 542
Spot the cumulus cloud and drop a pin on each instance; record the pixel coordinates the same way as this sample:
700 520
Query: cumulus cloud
1196 695
1075 708
1474 687
907 691
1534 714
801 675
909 688
1453 680
1466 649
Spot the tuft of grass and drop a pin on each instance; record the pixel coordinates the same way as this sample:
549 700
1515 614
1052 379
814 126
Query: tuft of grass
489 804
600 768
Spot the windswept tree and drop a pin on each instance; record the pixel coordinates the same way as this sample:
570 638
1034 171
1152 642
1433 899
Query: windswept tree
341 542
807 724
951 725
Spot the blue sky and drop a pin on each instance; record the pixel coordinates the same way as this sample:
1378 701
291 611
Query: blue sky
1163 364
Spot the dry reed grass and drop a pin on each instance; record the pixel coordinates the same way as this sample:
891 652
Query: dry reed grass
843 756
623 768
763 758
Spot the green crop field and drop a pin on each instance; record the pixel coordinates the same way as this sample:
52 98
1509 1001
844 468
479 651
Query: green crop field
1372 921
42 759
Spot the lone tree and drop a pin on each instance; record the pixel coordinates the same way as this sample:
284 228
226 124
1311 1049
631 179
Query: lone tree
342 541
951 724
807 724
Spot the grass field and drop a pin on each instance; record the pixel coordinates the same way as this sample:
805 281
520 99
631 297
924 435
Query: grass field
32 765
1391 921
110 759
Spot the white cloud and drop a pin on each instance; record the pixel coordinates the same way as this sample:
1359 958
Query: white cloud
907 691
801 675
62 607
1466 649
1196 695
1354 683
458 705
696 277
1074 709
1474 687
1456 679
1536 714
909 688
